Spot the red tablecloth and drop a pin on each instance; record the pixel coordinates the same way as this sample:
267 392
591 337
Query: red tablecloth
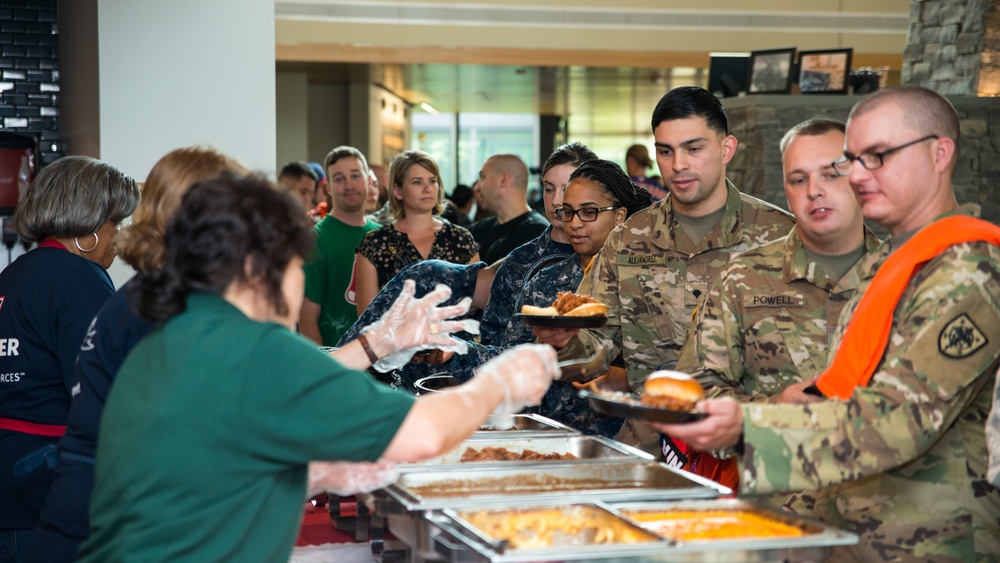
317 530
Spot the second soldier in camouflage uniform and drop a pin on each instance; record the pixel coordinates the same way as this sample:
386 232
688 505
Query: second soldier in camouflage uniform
766 323
763 330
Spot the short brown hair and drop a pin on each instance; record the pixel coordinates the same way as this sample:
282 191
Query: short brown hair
340 152
814 127
640 154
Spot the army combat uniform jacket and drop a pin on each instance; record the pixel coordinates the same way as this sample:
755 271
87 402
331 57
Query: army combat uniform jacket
651 275
993 436
905 457
767 323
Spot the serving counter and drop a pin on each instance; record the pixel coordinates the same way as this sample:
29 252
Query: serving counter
602 490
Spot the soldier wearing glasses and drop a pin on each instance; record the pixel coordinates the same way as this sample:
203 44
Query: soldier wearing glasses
897 438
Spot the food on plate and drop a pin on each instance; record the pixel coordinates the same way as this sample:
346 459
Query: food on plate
693 525
569 304
672 390
491 453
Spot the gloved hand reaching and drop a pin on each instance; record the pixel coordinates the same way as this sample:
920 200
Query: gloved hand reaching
346 478
412 325
524 373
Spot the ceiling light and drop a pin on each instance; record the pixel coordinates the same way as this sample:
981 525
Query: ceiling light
429 108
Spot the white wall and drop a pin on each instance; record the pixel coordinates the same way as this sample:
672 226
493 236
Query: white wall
175 73
328 111
292 101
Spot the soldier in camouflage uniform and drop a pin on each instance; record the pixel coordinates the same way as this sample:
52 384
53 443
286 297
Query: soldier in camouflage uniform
602 187
766 323
904 457
657 266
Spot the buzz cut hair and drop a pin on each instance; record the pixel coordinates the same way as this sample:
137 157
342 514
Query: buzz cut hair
925 111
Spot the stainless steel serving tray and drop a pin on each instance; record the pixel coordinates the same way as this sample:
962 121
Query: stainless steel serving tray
456 540
526 425
585 448
476 487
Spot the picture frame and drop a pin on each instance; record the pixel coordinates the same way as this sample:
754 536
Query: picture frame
771 71
727 74
825 71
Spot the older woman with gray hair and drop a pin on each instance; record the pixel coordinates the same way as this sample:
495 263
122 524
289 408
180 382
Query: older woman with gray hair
72 210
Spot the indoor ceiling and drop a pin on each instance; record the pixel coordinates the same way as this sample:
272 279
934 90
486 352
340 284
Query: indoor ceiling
444 53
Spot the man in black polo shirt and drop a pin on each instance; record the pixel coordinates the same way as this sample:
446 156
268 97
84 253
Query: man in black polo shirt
503 182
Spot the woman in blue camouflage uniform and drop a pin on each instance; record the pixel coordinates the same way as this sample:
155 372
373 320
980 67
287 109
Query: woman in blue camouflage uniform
465 280
516 269
599 197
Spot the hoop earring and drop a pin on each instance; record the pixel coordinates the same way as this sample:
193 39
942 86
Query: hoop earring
92 248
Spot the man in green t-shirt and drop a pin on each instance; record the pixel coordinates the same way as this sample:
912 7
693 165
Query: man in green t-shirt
329 308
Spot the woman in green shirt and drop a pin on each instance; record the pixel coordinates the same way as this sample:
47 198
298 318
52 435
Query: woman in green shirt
215 416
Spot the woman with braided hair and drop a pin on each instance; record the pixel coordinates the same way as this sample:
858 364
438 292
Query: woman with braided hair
598 198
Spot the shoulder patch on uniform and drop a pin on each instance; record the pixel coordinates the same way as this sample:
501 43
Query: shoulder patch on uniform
960 337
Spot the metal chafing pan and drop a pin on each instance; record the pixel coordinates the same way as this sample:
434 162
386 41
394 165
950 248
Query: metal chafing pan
475 487
526 425
456 539
405 502
584 448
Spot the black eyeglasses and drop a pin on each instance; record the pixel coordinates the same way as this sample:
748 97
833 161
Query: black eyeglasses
872 160
586 214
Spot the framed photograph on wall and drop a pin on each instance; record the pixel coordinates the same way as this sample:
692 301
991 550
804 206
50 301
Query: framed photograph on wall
825 71
771 71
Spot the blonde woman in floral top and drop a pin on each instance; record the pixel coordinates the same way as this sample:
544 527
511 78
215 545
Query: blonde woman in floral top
417 232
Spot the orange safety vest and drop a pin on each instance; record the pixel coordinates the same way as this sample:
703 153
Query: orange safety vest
868 331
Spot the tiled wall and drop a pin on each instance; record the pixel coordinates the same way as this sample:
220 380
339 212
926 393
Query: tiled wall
29 73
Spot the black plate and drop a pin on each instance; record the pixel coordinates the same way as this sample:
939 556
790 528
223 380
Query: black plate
548 321
629 407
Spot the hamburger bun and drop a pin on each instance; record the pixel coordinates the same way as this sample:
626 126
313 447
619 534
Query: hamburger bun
672 390
539 311
589 310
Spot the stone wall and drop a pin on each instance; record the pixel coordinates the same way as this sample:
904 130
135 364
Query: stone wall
759 122
953 47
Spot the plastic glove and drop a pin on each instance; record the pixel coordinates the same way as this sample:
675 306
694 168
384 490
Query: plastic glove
346 478
412 325
525 373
